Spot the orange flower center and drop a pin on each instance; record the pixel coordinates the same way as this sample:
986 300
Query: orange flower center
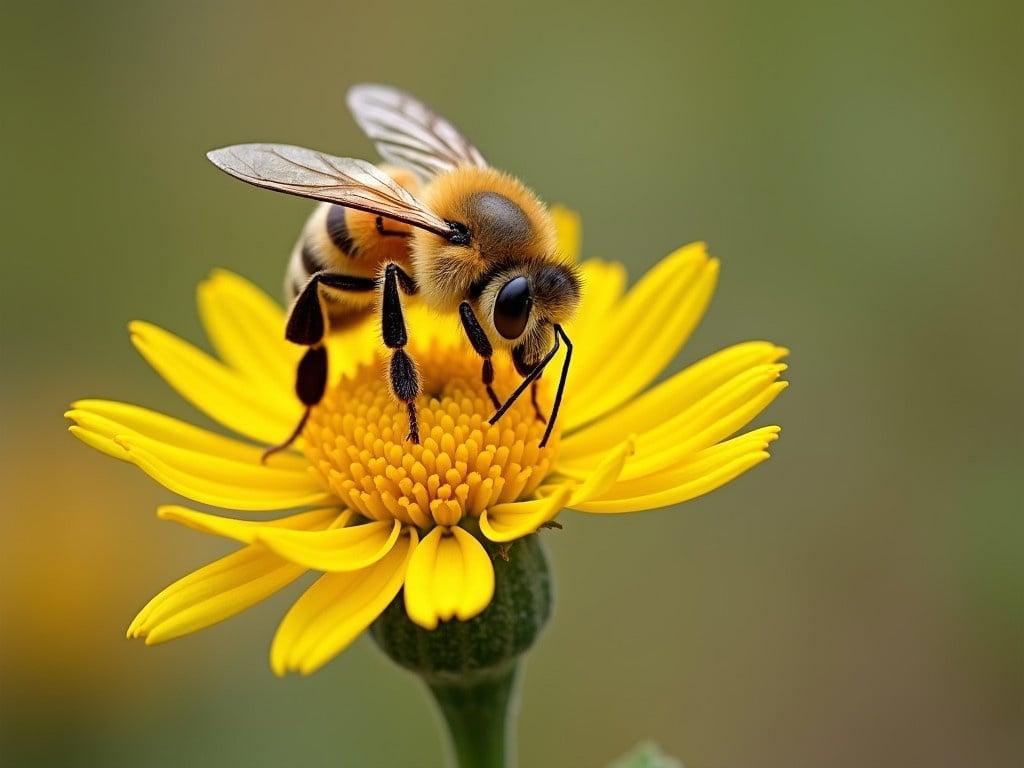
355 439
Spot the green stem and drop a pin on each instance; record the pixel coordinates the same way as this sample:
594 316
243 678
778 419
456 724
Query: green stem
480 712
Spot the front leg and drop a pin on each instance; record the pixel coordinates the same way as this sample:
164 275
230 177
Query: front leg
478 338
402 375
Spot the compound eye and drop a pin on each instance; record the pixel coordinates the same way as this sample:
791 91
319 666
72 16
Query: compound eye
512 308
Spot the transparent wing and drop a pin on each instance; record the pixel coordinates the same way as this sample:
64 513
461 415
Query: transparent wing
408 133
340 180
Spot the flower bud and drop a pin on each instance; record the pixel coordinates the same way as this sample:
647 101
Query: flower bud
491 641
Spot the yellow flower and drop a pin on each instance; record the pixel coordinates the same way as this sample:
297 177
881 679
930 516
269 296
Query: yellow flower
384 514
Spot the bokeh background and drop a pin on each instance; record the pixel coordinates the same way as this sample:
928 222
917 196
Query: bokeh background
859 600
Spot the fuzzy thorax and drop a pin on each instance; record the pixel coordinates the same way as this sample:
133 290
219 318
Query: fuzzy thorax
505 219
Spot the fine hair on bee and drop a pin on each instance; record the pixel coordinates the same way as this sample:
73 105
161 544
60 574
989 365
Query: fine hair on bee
433 221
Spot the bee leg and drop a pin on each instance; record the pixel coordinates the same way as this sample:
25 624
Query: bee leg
307 325
402 375
532 377
310 383
482 345
388 232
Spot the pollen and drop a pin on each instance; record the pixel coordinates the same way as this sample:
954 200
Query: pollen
355 440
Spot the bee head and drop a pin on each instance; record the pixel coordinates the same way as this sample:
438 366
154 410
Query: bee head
524 303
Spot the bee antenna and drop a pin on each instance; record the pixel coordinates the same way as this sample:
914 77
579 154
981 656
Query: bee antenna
534 375
561 385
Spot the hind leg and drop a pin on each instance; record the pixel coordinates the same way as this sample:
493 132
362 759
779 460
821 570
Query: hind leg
307 325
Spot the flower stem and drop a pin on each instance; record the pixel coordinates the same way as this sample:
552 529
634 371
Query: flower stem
479 711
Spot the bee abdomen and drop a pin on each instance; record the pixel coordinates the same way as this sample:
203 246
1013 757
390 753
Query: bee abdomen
324 243
337 231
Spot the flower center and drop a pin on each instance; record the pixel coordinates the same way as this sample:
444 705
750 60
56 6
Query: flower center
355 438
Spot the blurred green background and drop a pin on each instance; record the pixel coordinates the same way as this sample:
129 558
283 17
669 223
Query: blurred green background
859 600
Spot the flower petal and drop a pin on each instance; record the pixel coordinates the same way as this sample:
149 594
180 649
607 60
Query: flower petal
342 549
714 417
247 531
569 232
450 576
708 470
195 463
110 419
336 609
645 333
223 588
221 482
218 391
605 474
682 390
603 283
507 522
246 329
355 345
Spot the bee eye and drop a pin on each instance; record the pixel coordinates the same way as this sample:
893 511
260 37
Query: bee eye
512 308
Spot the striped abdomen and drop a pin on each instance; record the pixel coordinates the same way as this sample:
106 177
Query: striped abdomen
347 241
325 243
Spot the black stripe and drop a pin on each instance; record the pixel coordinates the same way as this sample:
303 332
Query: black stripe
337 230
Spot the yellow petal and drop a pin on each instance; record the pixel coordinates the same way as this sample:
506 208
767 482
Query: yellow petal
223 482
654 457
694 467
223 588
336 609
712 418
705 474
98 441
450 576
672 396
248 531
507 522
604 474
218 391
645 333
246 329
357 344
569 232
199 465
110 419
603 283
342 549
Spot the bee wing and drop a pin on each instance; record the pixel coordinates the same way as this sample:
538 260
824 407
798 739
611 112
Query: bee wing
339 180
408 133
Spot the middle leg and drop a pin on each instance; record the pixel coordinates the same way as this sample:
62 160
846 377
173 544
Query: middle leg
402 376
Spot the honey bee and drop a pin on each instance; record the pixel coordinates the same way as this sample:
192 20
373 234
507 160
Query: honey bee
435 222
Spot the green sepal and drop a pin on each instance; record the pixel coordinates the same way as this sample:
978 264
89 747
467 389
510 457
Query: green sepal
493 640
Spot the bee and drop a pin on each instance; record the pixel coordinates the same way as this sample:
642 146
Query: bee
436 222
